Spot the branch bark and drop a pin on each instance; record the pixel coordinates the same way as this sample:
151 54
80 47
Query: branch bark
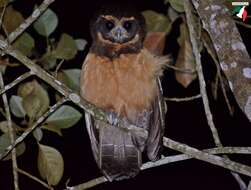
66 92
11 135
32 128
34 16
189 153
15 82
192 32
232 53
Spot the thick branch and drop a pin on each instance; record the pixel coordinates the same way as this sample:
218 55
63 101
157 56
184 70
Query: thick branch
192 32
196 52
167 160
65 91
232 53
216 160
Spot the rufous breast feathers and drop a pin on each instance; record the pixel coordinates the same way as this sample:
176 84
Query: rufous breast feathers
126 85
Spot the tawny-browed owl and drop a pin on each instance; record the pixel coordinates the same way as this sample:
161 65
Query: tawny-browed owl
120 76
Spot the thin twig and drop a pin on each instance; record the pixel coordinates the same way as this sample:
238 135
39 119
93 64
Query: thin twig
3 113
33 127
182 157
186 99
15 82
218 77
167 160
189 71
96 112
9 122
192 33
11 135
243 24
203 91
215 160
89 184
34 178
2 14
36 13
58 67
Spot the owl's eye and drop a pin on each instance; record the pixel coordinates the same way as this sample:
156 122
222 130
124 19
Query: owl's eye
127 25
109 25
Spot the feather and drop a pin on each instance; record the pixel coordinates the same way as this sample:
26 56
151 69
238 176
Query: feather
127 85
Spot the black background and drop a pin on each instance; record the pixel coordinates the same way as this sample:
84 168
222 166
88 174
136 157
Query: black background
185 122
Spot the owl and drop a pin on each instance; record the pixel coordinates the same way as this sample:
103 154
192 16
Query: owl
120 76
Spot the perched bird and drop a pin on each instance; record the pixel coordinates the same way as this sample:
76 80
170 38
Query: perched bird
120 76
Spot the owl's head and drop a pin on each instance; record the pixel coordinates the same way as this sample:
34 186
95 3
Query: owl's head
118 28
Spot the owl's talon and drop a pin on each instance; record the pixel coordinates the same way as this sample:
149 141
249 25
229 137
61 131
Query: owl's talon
113 118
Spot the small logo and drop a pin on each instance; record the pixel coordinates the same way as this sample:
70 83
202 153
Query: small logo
239 9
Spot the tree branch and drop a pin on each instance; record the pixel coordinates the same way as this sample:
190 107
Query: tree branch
186 99
15 82
11 135
34 178
215 160
33 127
170 159
196 52
98 113
232 53
192 32
189 71
36 13
89 184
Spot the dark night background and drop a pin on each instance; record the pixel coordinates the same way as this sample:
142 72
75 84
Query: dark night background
185 122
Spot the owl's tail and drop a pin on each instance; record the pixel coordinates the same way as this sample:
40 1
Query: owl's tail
113 150
118 157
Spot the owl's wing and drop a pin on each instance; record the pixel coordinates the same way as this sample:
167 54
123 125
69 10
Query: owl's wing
157 125
152 120
93 134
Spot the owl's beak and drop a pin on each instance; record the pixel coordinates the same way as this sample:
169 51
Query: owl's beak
119 34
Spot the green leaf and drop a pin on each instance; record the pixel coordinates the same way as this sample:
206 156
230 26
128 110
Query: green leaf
38 134
71 78
35 99
12 19
48 61
64 117
25 43
16 106
66 48
4 126
47 23
3 68
177 5
52 129
156 22
81 43
172 14
5 142
50 164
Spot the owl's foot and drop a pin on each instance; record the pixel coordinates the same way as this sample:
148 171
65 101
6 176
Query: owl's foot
112 118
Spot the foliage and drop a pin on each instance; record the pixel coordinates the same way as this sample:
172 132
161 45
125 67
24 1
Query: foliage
32 99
